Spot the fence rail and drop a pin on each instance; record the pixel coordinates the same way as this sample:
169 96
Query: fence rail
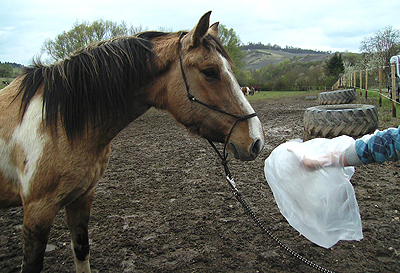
349 80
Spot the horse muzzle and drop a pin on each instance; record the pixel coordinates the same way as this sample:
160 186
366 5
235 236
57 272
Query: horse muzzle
247 153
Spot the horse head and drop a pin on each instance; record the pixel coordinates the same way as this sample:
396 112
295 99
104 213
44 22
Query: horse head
204 71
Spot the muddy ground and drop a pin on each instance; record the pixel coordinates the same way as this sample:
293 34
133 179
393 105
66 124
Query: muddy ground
164 206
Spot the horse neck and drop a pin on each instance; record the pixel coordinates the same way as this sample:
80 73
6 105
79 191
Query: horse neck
155 94
166 58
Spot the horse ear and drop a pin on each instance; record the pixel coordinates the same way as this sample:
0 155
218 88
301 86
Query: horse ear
201 29
213 30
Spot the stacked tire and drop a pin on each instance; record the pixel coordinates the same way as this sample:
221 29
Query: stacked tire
332 118
337 97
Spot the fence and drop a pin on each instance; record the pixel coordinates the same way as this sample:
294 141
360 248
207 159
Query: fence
349 80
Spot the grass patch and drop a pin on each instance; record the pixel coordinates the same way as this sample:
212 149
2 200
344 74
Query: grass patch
5 79
385 112
273 95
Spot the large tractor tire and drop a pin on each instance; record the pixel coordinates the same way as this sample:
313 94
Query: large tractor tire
329 121
337 97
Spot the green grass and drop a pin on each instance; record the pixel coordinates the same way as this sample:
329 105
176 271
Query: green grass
272 95
5 79
385 112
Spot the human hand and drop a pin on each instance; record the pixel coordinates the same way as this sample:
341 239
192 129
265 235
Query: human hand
335 159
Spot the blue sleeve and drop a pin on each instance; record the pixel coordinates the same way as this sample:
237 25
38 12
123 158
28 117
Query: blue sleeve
379 147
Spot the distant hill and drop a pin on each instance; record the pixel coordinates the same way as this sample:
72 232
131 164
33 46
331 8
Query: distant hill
14 65
258 58
259 55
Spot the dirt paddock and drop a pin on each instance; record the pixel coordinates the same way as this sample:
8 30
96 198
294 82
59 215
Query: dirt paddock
164 206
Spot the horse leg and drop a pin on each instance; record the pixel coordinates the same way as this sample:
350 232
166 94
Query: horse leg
78 213
38 219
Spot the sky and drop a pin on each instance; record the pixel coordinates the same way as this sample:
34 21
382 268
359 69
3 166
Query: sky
327 25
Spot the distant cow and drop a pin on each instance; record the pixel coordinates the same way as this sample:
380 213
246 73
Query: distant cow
245 90
6 82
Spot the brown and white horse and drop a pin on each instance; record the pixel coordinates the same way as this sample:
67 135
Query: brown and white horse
57 122
245 90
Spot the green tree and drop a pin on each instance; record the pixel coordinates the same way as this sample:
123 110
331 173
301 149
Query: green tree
85 33
6 70
335 65
231 41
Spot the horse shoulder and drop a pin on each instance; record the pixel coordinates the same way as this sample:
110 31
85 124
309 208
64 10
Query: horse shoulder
68 170
12 154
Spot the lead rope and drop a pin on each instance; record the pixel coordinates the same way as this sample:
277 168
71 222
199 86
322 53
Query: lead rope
229 178
253 216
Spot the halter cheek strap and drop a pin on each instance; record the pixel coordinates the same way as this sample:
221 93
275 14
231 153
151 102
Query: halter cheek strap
192 98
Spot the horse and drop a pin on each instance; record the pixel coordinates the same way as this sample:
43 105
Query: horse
251 92
256 88
245 90
57 122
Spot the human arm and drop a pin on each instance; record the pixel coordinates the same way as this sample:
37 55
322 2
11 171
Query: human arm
374 148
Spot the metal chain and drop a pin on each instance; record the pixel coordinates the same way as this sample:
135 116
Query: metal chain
252 215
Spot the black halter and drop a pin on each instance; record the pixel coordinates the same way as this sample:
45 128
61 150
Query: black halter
224 155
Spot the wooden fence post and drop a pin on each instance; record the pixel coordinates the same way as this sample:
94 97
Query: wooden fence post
348 80
366 83
380 86
355 80
360 82
351 79
394 95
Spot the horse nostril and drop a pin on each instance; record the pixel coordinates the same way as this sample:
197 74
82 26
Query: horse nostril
256 148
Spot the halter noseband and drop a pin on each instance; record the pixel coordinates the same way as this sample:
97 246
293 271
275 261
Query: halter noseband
192 98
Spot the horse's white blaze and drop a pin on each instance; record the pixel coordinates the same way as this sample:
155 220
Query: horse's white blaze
255 126
28 137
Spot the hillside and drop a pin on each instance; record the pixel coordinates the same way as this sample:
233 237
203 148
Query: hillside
258 58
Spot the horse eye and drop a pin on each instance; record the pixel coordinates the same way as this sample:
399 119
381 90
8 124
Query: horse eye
211 73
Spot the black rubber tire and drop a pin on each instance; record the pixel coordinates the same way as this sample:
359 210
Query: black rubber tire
337 97
329 121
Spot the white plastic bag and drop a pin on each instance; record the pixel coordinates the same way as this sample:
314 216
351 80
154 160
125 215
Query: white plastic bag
319 203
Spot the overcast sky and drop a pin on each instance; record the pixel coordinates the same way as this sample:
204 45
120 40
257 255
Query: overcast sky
336 25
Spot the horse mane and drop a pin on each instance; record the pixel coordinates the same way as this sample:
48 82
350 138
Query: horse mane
97 82
93 84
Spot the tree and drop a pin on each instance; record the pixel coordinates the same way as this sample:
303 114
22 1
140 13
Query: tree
6 70
85 33
384 44
335 65
232 44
